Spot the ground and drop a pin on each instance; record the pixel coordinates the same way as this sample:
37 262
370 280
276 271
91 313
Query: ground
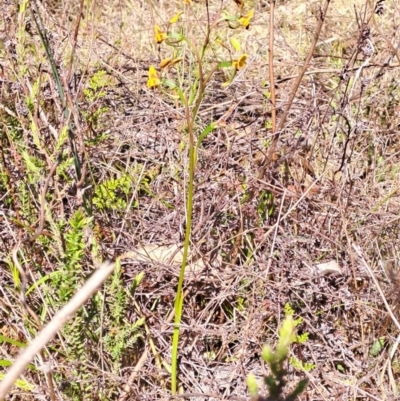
299 219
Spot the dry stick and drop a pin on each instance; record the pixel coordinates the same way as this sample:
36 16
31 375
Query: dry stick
75 40
392 316
394 50
304 68
395 321
58 321
272 147
271 64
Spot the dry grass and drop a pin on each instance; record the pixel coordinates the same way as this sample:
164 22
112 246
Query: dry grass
333 183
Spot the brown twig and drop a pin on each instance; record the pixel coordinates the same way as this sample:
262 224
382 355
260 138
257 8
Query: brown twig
306 64
271 64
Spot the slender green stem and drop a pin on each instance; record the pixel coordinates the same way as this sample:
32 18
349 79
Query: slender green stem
179 292
190 119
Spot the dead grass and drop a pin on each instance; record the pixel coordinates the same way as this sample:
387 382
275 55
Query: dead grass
334 183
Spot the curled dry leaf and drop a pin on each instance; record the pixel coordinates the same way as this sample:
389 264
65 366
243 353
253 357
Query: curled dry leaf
328 268
165 254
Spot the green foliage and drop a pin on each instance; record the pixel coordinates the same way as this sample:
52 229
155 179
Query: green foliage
265 205
34 167
299 339
112 193
300 365
289 311
4 186
377 347
94 93
21 384
75 247
276 360
63 167
75 333
96 85
121 333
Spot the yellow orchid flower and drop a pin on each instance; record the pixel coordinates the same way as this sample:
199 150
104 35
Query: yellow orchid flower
175 18
244 20
160 36
240 63
154 80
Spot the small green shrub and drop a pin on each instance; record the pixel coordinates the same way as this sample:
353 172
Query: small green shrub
276 360
112 193
121 334
299 339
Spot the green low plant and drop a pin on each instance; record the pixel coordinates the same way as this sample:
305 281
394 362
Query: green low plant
276 360
94 93
299 339
121 335
112 194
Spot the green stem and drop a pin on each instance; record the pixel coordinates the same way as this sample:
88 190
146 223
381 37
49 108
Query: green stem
190 118
179 292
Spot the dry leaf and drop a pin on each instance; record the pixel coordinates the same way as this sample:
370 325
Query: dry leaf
328 268
165 254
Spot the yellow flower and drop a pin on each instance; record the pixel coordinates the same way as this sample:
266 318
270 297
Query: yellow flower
159 34
154 79
244 20
240 63
175 18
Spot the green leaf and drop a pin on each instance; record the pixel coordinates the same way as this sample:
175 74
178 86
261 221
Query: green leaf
340 368
36 284
136 282
252 385
224 64
8 340
175 38
268 355
377 347
20 383
210 127
229 17
62 138
169 83
286 336
236 44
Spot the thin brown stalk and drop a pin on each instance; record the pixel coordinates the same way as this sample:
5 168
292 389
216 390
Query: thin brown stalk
271 64
322 16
